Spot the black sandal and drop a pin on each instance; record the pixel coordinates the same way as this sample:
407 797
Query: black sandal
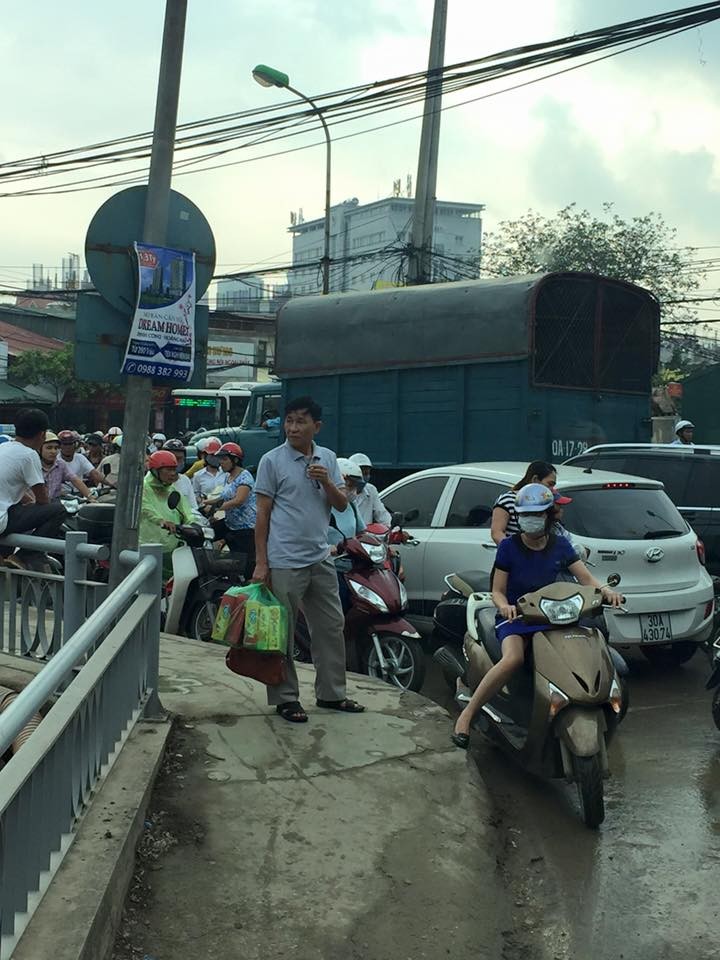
344 706
292 712
461 740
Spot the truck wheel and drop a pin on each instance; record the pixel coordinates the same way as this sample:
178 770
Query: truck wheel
405 660
716 707
670 654
589 780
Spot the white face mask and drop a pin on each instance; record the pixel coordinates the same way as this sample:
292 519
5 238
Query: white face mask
532 526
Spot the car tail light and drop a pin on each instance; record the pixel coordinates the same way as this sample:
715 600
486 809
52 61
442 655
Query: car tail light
700 548
618 486
709 607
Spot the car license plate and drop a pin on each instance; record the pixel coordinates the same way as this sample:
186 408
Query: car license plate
655 628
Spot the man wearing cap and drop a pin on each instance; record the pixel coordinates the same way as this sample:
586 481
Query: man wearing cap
684 433
368 502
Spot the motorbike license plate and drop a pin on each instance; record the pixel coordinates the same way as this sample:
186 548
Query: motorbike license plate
655 628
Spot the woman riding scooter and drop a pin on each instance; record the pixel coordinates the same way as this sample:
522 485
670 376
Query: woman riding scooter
525 562
237 500
345 524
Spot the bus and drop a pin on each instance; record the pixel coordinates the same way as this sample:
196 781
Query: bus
210 409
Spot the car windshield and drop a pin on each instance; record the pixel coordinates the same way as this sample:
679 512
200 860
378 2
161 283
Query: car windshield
623 514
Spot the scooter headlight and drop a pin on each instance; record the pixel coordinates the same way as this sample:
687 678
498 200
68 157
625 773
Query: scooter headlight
369 596
562 611
403 595
375 551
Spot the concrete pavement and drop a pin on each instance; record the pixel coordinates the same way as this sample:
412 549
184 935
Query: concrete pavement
366 836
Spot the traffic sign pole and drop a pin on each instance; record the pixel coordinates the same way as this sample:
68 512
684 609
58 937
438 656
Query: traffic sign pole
139 389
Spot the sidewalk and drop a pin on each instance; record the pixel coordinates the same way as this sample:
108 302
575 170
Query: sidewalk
362 836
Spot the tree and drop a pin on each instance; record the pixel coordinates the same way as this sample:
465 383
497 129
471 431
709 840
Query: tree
642 250
54 369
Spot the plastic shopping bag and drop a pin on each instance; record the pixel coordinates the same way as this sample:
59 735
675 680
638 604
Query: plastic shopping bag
230 618
266 623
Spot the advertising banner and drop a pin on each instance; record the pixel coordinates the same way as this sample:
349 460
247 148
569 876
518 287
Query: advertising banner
162 336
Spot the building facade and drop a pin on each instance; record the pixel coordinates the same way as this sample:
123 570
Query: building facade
368 245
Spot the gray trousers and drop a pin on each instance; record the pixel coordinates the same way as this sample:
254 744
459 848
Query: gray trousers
315 589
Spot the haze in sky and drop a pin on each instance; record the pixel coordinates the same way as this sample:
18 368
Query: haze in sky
639 130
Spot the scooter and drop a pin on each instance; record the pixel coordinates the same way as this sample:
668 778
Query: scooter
557 717
199 579
378 640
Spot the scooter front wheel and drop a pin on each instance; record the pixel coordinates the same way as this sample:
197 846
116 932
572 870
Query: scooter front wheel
589 780
404 661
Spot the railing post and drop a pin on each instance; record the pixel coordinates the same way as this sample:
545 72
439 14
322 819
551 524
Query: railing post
154 709
74 601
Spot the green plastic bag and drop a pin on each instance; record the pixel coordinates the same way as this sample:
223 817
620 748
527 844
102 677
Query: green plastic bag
252 617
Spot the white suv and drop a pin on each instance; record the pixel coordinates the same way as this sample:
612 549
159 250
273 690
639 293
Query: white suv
629 525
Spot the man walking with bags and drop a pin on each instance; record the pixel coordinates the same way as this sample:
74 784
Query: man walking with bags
297 484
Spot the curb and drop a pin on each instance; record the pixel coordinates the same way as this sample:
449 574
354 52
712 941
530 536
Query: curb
79 915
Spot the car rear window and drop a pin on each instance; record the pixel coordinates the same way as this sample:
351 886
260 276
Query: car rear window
622 514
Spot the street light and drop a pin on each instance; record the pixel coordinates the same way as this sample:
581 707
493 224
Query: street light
268 77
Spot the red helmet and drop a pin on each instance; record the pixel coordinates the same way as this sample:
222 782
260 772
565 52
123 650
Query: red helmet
212 446
162 458
231 450
69 436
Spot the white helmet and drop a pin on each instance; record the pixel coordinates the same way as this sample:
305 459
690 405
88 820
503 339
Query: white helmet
534 498
114 431
683 425
159 436
348 468
202 444
361 459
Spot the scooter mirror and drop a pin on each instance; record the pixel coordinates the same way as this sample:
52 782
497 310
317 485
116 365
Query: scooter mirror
397 519
174 500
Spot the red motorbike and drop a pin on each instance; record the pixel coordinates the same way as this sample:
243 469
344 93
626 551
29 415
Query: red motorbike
379 641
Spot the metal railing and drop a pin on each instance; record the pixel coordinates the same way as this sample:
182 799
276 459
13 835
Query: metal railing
38 609
46 785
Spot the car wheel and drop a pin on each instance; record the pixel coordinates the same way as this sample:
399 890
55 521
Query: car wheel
670 654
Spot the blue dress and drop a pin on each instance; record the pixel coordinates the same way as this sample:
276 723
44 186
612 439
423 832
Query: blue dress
529 570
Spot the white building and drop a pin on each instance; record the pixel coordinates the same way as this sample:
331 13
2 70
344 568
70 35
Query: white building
368 244
251 294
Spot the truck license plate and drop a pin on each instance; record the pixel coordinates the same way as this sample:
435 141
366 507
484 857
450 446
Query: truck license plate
655 628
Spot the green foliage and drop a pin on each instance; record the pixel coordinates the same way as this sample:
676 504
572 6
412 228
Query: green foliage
54 369
642 250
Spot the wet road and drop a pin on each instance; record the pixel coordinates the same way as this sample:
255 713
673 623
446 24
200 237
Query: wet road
646 886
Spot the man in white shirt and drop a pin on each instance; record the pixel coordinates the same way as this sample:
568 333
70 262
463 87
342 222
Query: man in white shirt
24 504
367 502
77 462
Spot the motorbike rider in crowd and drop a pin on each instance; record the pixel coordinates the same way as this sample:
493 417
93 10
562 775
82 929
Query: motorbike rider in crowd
183 483
525 562
504 517
94 448
158 441
208 477
201 446
158 522
237 500
112 461
368 502
345 524
684 433
77 462
56 471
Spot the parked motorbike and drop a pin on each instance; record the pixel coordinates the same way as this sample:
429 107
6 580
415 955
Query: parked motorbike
558 715
200 577
378 640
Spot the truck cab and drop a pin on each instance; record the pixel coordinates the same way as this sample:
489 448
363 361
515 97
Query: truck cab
255 439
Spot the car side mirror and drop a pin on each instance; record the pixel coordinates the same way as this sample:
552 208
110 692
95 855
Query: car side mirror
174 500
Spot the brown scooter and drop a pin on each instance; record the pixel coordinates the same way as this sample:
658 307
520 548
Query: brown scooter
558 716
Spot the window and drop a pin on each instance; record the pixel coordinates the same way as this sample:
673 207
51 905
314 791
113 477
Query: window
472 504
672 472
632 514
417 500
703 489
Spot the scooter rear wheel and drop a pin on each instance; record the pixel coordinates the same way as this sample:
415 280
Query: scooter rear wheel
405 659
589 780
200 624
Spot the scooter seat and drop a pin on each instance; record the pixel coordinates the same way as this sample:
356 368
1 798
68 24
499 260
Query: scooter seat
226 565
476 581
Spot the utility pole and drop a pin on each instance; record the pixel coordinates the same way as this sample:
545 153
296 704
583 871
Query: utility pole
139 389
420 259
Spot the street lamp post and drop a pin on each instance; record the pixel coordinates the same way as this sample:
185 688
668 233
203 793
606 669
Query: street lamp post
268 77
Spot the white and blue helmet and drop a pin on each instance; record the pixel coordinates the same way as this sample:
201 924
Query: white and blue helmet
534 498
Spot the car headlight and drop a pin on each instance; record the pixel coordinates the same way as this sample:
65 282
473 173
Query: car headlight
370 596
562 611
375 551
403 594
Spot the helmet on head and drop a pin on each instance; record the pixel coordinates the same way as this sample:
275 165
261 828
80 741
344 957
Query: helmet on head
50 437
212 446
534 498
233 450
350 468
161 458
683 425
69 436
159 436
361 459
94 440
204 442
118 441
114 431
177 446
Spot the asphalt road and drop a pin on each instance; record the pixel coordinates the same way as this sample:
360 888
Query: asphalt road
643 887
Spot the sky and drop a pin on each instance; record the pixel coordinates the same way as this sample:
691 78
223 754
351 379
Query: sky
640 130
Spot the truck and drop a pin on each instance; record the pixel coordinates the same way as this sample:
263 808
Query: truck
542 366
